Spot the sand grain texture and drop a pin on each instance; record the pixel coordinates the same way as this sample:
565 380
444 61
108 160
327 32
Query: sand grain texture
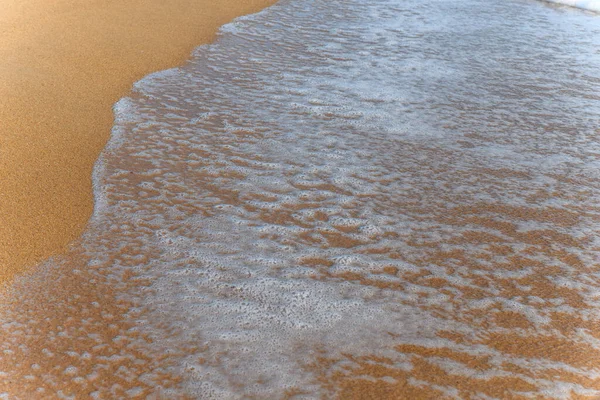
63 64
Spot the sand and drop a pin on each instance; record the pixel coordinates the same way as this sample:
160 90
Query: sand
63 64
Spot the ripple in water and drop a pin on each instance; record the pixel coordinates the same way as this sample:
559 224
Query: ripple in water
397 198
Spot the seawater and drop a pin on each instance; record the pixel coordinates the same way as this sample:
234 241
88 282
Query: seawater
338 198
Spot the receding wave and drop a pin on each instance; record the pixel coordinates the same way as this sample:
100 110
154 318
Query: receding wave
384 198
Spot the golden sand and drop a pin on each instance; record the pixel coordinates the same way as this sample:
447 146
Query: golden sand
63 64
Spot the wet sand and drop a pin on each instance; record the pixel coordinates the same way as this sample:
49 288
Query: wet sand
63 65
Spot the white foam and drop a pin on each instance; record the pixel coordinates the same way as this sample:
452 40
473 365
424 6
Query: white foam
591 5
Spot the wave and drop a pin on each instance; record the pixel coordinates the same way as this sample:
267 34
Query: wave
591 5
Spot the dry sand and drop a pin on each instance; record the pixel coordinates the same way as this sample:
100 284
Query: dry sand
63 64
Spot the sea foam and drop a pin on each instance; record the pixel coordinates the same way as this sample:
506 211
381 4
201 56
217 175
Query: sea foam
591 5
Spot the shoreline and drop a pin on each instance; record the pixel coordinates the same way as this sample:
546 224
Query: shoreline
64 66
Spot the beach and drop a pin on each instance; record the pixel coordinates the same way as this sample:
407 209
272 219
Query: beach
334 199
64 64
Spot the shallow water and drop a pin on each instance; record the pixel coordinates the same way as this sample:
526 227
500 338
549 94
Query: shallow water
397 197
